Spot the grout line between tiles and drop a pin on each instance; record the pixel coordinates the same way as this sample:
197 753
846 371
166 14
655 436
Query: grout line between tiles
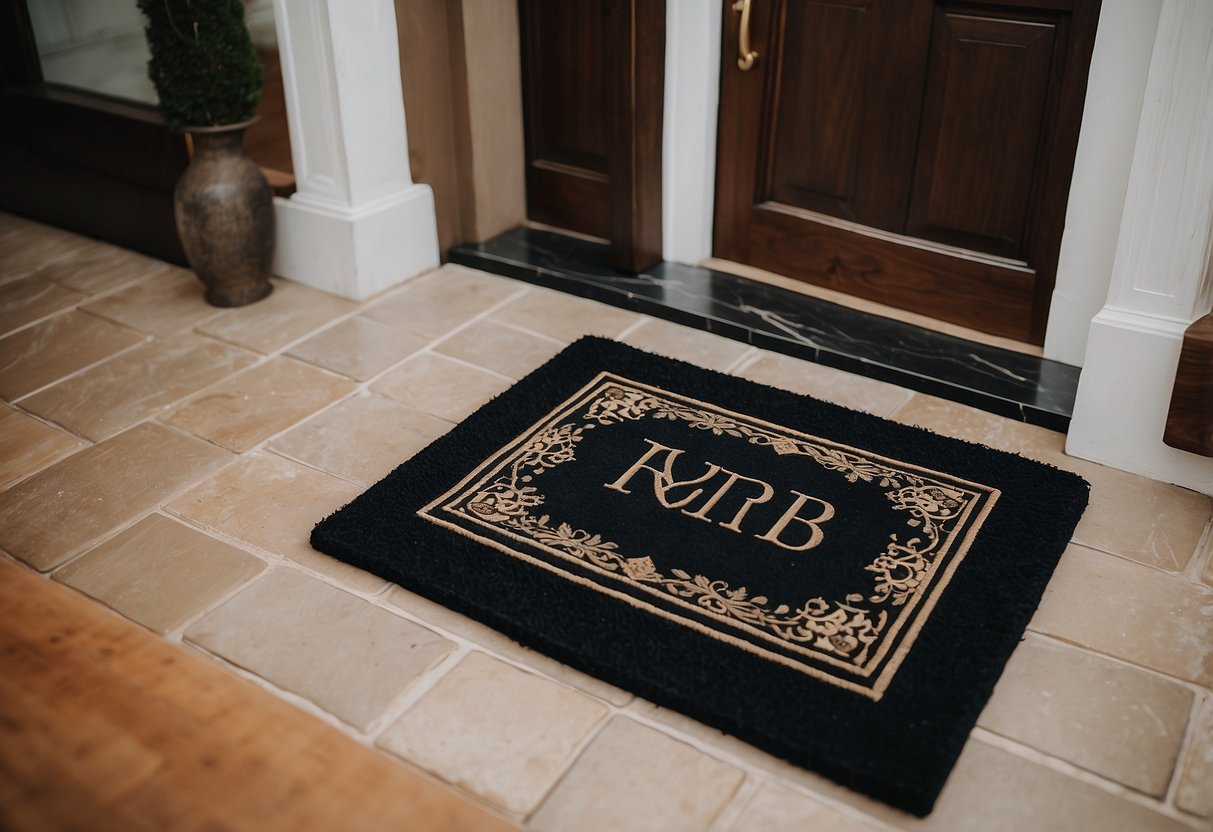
414 692
274 558
570 763
1189 740
1179 680
1201 557
751 770
730 813
144 339
1076 772
1037 635
301 702
1181 576
742 361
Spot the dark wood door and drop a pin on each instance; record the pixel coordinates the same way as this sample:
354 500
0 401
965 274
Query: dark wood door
913 152
592 86
88 162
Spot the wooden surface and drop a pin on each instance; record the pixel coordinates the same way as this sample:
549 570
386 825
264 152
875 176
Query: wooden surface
983 121
593 86
924 121
832 153
91 163
104 726
1190 417
565 78
636 110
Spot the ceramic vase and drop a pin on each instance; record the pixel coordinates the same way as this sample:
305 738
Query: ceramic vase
225 217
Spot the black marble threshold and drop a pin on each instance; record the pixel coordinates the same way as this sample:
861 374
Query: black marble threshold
1008 383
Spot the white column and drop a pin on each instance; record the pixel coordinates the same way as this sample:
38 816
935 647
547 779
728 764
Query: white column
1110 116
688 157
1162 278
357 223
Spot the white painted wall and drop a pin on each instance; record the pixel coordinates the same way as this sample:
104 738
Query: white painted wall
688 163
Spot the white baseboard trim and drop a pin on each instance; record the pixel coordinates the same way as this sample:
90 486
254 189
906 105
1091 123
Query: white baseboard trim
1123 396
357 253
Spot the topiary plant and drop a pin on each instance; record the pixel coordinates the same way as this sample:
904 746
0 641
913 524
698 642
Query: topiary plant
203 65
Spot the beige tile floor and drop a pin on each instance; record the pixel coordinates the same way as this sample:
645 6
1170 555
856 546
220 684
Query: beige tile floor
169 459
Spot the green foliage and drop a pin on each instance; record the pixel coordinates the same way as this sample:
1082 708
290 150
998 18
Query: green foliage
204 65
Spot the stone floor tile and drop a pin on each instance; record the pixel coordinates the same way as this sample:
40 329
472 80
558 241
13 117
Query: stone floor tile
486 637
25 247
160 572
501 733
273 503
776 808
564 317
636 778
826 383
704 349
139 383
163 304
1207 577
1119 722
1149 521
361 439
55 514
1130 611
971 425
502 349
347 655
436 303
1195 792
99 268
440 386
26 299
246 409
680 724
994 790
358 347
57 347
27 446
290 313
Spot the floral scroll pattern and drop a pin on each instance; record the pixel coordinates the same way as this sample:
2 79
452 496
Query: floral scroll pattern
845 630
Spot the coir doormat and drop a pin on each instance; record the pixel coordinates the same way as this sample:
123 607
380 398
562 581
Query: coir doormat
829 586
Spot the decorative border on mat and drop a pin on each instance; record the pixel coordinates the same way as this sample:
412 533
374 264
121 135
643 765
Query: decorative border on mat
856 643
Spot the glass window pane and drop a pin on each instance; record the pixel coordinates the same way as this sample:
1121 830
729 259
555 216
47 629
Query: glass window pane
95 45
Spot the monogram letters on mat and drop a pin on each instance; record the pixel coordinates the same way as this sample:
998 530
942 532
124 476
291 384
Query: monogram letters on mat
834 588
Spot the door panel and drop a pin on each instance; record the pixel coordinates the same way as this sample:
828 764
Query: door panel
593 82
913 152
845 108
565 68
891 269
978 160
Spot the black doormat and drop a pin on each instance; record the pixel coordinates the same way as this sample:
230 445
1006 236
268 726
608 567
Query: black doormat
835 588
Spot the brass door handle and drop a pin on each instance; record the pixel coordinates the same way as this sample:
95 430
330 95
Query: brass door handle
747 55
